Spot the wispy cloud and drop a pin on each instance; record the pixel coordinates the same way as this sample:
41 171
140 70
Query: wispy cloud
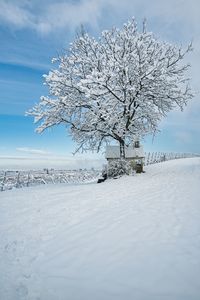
175 19
30 163
33 151
16 13
62 15
47 16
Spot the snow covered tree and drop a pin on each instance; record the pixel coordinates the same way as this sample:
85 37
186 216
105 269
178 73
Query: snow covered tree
116 87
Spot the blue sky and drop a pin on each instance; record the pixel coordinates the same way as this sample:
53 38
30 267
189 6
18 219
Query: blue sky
33 32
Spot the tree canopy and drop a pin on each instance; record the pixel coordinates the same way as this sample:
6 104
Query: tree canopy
117 87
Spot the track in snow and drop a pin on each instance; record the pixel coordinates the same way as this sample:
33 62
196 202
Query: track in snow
133 238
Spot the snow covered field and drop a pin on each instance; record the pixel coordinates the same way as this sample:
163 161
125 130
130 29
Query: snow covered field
135 238
20 179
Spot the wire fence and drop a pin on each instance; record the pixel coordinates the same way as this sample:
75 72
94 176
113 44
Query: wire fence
156 157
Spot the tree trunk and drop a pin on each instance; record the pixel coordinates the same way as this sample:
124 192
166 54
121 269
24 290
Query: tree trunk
122 149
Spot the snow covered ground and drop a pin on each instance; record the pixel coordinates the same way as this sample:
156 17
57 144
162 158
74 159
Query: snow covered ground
135 238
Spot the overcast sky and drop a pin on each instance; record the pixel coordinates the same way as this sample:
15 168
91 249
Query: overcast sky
32 32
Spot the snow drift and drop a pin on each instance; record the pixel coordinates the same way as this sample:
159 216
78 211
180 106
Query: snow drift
132 238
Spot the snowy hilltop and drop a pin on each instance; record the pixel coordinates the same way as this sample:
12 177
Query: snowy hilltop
135 238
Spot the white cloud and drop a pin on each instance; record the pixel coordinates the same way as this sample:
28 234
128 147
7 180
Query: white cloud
30 163
71 15
16 14
47 16
32 151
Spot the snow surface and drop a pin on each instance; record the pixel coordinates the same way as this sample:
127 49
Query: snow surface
135 238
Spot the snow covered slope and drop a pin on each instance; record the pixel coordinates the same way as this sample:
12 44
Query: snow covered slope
135 238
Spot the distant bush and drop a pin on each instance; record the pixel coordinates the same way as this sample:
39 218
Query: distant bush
118 168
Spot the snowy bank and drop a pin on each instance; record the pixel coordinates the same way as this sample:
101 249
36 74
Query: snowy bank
135 238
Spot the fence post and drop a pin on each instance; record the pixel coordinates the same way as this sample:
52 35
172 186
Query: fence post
3 182
148 158
156 157
18 183
151 159
159 157
28 179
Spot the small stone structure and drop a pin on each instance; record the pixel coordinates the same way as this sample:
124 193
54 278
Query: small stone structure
134 154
